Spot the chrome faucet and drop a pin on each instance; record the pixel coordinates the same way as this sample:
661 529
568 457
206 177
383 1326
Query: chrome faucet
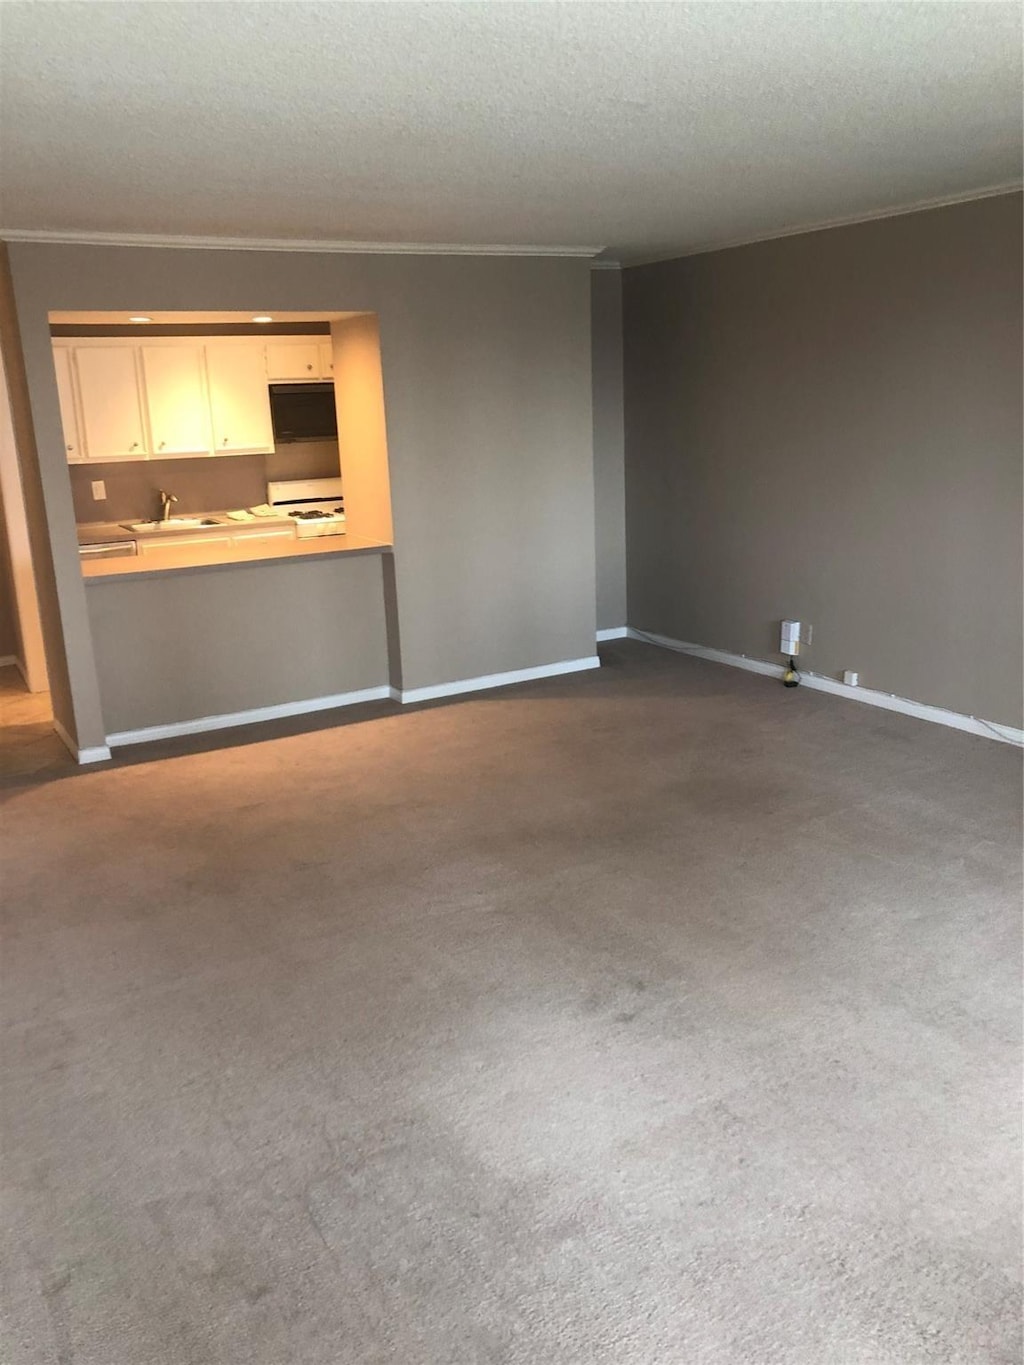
166 499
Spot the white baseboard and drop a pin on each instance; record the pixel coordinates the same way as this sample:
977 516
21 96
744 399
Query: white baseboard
613 633
488 680
816 682
99 753
203 724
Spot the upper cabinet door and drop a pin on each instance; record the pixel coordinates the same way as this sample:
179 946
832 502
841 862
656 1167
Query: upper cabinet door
239 399
326 349
293 360
108 386
68 412
179 415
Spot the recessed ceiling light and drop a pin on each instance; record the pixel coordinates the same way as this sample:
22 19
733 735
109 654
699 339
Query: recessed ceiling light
262 317
139 317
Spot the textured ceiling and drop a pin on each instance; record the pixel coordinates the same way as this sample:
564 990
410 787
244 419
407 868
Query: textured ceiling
647 129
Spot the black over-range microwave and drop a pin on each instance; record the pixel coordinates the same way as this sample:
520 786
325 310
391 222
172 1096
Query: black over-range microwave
303 412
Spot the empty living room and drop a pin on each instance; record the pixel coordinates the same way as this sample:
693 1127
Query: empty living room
511 705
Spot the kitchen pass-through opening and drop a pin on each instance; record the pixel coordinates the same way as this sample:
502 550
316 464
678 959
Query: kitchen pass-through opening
178 421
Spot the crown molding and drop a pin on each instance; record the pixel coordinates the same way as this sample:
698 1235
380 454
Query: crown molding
85 238
850 220
44 236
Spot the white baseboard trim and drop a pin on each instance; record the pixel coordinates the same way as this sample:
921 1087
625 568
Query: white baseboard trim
99 753
488 680
613 633
816 682
202 724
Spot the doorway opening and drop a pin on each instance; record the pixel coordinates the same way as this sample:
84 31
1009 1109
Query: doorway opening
28 742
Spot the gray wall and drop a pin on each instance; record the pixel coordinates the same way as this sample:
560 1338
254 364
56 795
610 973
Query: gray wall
10 643
487 381
609 471
828 427
178 646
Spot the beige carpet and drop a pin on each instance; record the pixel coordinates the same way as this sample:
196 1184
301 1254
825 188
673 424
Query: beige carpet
655 1016
28 743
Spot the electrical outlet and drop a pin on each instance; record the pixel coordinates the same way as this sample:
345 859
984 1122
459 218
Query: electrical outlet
851 679
99 490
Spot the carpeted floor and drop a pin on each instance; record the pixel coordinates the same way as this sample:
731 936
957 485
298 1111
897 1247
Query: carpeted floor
29 746
655 1016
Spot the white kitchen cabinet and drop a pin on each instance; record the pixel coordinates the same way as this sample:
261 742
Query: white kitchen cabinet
239 399
63 363
111 405
267 533
129 399
149 545
293 361
176 402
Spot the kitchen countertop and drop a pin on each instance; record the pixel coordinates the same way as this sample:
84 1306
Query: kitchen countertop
197 556
99 532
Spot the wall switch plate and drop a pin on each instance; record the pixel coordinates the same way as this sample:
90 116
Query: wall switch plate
99 490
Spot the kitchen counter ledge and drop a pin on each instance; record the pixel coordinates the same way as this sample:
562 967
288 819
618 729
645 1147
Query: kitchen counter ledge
198 557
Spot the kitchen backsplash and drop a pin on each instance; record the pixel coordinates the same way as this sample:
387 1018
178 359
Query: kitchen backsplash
201 485
304 460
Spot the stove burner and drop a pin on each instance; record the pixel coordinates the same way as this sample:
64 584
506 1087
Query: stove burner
309 514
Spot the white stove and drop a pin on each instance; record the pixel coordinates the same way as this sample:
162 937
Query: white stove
316 505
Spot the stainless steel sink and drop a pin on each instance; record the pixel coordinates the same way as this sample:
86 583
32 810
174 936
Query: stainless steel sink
173 524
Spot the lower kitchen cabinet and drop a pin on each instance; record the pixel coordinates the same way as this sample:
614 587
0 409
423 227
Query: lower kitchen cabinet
149 546
271 533
171 540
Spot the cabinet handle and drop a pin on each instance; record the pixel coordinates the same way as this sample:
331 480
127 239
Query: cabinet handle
69 448
309 367
134 445
225 441
161 445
